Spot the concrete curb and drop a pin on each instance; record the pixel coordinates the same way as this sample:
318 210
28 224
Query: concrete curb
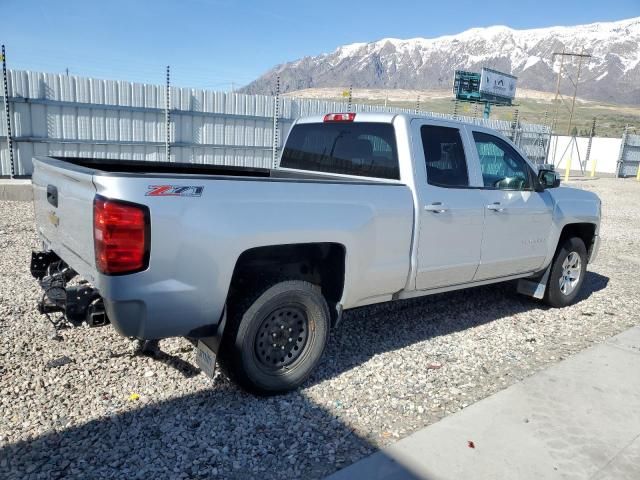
16 190
579 418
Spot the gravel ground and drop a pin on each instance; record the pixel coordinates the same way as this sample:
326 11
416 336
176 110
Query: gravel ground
84 406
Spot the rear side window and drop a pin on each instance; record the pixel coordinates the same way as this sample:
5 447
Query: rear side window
444 156
363 149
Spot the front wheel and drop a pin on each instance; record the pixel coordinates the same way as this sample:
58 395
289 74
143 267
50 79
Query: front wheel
276 337
567 273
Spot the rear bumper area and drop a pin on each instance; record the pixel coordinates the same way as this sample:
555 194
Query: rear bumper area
80 303
134 307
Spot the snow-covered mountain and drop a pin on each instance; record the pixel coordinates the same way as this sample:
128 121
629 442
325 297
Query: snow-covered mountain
612 75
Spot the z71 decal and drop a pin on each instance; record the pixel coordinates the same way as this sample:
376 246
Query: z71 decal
174 191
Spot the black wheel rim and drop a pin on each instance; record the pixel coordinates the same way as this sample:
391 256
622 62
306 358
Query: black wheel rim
281 337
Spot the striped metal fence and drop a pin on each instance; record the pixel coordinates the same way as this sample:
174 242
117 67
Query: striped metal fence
63 115
629 157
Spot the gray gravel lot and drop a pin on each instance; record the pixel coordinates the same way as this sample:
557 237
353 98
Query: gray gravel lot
68 409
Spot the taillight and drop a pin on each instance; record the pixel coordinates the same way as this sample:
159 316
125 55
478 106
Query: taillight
339 117
121 236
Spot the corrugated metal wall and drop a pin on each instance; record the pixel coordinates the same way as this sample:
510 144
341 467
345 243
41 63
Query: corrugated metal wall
629 157
54 114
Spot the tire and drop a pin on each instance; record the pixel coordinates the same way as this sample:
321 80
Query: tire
294 316
565 282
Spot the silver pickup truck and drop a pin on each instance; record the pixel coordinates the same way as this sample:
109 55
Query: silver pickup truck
255 266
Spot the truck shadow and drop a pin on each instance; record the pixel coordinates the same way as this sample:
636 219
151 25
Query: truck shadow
367 331
189 436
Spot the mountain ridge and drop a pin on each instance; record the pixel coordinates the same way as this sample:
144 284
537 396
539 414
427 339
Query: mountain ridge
612 75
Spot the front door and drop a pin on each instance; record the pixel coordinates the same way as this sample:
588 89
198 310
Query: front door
517 218
451 213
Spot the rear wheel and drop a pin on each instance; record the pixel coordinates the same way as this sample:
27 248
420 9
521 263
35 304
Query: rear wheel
567 273
276 337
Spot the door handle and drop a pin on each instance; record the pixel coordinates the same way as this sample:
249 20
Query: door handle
436 207
496 207
52 195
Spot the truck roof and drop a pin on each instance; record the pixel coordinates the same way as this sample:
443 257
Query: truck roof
378 117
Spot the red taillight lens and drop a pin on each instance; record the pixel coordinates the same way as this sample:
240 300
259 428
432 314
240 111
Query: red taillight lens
339 117
121 236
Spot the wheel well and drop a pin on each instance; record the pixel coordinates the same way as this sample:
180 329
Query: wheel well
320 263
584 231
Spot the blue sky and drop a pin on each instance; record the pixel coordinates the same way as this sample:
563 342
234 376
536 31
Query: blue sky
212 43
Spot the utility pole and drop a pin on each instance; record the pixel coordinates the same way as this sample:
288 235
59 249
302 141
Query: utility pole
581 56
418 104
7 111
350 98
575 88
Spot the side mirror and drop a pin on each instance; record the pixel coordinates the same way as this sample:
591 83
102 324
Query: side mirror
548 178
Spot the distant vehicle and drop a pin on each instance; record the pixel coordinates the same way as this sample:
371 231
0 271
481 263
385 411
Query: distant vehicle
257 265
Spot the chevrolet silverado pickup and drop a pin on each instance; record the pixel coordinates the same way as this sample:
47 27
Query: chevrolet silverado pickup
256 265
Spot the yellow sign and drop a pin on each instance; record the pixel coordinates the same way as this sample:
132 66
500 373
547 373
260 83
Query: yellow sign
345 93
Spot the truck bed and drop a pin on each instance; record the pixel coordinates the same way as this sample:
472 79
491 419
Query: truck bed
110 166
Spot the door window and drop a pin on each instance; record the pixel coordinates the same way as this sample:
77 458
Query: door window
444 157
502 167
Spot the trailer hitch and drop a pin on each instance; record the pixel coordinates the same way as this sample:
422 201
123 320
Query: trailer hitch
79 304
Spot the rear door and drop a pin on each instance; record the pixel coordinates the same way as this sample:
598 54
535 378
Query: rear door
451 206
518 219
63 202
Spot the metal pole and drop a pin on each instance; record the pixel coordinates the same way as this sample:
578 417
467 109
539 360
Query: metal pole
350 98
591 135
547 147
487 110
541 135
7 112
276 114
167 119
623 144
555 100
575 91
418 104
514 126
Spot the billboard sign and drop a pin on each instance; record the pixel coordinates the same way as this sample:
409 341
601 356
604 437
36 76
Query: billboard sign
499 84
466 85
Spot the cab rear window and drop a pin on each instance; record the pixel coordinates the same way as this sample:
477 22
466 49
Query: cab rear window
364 149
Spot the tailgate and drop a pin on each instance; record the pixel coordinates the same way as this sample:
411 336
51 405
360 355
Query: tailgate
63 200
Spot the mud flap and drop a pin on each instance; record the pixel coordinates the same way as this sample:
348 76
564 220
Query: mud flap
535 287
207 348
